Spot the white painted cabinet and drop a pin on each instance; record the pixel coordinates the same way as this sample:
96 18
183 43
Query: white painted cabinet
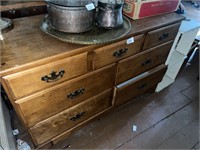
182 44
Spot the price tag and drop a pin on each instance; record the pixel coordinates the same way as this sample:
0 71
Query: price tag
130 40
134 128
90 6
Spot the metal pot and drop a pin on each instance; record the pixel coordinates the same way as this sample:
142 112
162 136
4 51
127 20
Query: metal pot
73 3
70 19
110 14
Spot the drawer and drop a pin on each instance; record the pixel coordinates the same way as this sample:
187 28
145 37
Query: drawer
138 85
44 104
161 35
71 117
132 66
115 52
38 78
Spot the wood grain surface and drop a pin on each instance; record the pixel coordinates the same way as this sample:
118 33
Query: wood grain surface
27 54
133 66
106 55
61 122
54 100
139 86
26 45
161 35
30 81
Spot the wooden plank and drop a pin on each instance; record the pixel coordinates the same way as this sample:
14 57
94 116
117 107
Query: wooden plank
163 130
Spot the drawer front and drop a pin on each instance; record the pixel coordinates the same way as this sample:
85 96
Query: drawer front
40 106
142 84
71 117
161 35
36 79
115 52
141 62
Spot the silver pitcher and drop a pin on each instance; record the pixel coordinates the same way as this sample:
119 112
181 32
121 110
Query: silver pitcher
109 13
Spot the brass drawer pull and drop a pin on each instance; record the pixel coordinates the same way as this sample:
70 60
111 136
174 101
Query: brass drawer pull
142 86
163 36
78 116
53 76
147 62
120 53
76 93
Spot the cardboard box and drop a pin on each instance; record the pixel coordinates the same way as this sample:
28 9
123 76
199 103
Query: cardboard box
136 9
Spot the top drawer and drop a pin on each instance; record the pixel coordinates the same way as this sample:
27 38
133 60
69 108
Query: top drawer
117 51
161 35
38 78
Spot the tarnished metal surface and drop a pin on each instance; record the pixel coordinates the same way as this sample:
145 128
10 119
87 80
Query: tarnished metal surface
109 15
70 19
73 3
95 36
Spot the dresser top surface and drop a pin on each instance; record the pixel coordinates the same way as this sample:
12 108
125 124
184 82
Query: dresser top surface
26 44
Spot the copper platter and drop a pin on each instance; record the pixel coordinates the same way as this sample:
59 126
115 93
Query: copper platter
95 36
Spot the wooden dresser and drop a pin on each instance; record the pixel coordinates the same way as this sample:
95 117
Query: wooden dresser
57 87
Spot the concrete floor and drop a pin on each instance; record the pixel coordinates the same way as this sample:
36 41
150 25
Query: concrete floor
165 120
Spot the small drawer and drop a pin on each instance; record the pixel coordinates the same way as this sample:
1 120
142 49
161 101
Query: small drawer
115 52
138 85
71 117
44 104
133 66
161 35
38 78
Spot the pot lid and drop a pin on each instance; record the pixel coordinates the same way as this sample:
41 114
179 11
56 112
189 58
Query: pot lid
73 3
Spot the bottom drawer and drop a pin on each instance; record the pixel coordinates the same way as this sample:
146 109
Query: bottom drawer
71 117
138 85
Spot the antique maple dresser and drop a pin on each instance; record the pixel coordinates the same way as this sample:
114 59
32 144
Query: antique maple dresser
56 87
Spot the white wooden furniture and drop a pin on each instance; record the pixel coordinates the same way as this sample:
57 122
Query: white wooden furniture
178 53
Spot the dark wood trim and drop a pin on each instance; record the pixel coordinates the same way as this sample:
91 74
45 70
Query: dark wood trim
19 10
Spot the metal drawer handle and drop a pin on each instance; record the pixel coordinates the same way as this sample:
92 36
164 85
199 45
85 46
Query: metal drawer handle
147 62
163 36
78 116
53 76
142 86
120 53
76 93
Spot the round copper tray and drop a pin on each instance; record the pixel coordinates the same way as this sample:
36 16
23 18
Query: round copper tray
95 36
